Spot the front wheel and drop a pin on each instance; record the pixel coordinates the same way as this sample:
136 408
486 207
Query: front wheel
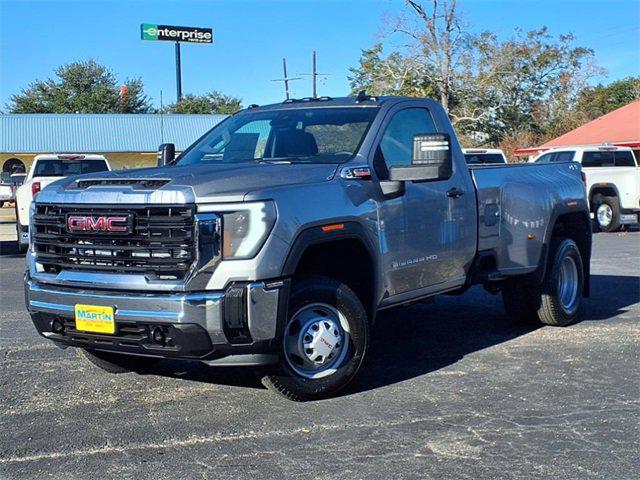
323 343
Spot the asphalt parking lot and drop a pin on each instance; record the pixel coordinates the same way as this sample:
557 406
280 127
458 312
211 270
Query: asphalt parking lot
451 389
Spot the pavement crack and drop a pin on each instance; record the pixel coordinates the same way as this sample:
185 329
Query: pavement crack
200 440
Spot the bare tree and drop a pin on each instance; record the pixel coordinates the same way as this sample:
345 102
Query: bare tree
531 83
393 74
437 36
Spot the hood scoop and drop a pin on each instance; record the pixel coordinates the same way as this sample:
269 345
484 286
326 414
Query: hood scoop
136 183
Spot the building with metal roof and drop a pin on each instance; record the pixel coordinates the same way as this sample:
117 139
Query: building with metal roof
126 139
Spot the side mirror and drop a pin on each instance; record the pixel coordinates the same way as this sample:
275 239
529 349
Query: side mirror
166 154
431 159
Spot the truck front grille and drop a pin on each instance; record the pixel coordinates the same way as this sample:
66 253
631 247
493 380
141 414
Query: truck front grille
159 242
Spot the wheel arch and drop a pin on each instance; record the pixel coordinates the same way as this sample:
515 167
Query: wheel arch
573 224
602 188
343 252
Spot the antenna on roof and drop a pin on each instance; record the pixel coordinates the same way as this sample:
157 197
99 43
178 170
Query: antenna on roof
362 96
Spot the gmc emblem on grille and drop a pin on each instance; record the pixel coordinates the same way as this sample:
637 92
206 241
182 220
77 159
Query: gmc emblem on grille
101 224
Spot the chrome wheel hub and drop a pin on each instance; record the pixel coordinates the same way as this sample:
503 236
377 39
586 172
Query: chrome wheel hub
568 283
321 341
604 214
316 340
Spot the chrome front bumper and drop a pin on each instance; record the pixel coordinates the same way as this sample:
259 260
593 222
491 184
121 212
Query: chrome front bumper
263 304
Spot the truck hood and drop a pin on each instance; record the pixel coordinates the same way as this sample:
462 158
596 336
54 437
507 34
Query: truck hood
184 184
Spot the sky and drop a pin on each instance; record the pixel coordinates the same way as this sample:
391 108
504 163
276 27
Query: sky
252 37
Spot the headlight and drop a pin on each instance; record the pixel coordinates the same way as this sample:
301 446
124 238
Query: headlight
245 227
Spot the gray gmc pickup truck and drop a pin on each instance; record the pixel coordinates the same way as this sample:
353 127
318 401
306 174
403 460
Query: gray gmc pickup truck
275 239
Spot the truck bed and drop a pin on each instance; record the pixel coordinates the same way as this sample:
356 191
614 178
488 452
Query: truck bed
515 207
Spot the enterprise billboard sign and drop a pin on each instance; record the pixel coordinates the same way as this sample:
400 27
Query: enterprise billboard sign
172 33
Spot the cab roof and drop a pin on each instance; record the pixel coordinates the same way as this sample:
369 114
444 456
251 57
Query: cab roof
360 101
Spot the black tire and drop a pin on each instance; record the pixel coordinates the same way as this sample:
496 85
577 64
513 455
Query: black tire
286 382
22 248
533 304
116 362
600 201
551 310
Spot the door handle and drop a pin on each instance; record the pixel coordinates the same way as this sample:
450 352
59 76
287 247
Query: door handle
455 193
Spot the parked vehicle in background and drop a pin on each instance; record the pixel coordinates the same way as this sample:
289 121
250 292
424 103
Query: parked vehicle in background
476 156
14 181
275 239
612 178
6 193
17 179
44 170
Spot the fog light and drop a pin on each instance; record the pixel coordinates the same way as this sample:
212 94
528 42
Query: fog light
158 336
57 327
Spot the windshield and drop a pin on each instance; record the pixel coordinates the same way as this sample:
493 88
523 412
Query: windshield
65 168
305 135
475 158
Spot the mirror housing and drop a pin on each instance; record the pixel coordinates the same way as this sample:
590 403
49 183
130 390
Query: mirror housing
431 159
166 154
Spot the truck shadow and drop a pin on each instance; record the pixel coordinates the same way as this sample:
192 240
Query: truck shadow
423 338
9 248
198 372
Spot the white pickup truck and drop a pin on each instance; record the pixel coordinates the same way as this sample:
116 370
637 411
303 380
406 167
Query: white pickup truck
44 170
6 193
612 178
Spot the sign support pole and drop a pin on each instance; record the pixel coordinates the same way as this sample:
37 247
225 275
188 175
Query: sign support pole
178 73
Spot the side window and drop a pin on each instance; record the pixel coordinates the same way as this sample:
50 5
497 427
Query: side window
597 159
624 159
396 146
564 157
546 158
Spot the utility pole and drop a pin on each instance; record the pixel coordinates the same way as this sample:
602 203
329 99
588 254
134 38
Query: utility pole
314 75
285 79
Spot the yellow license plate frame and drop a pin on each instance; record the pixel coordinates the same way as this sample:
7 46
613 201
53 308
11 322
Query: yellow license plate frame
95 319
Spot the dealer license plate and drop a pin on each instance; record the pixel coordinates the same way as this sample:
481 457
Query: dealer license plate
92 318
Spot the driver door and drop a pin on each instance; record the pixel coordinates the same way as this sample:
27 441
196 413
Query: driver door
420 227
